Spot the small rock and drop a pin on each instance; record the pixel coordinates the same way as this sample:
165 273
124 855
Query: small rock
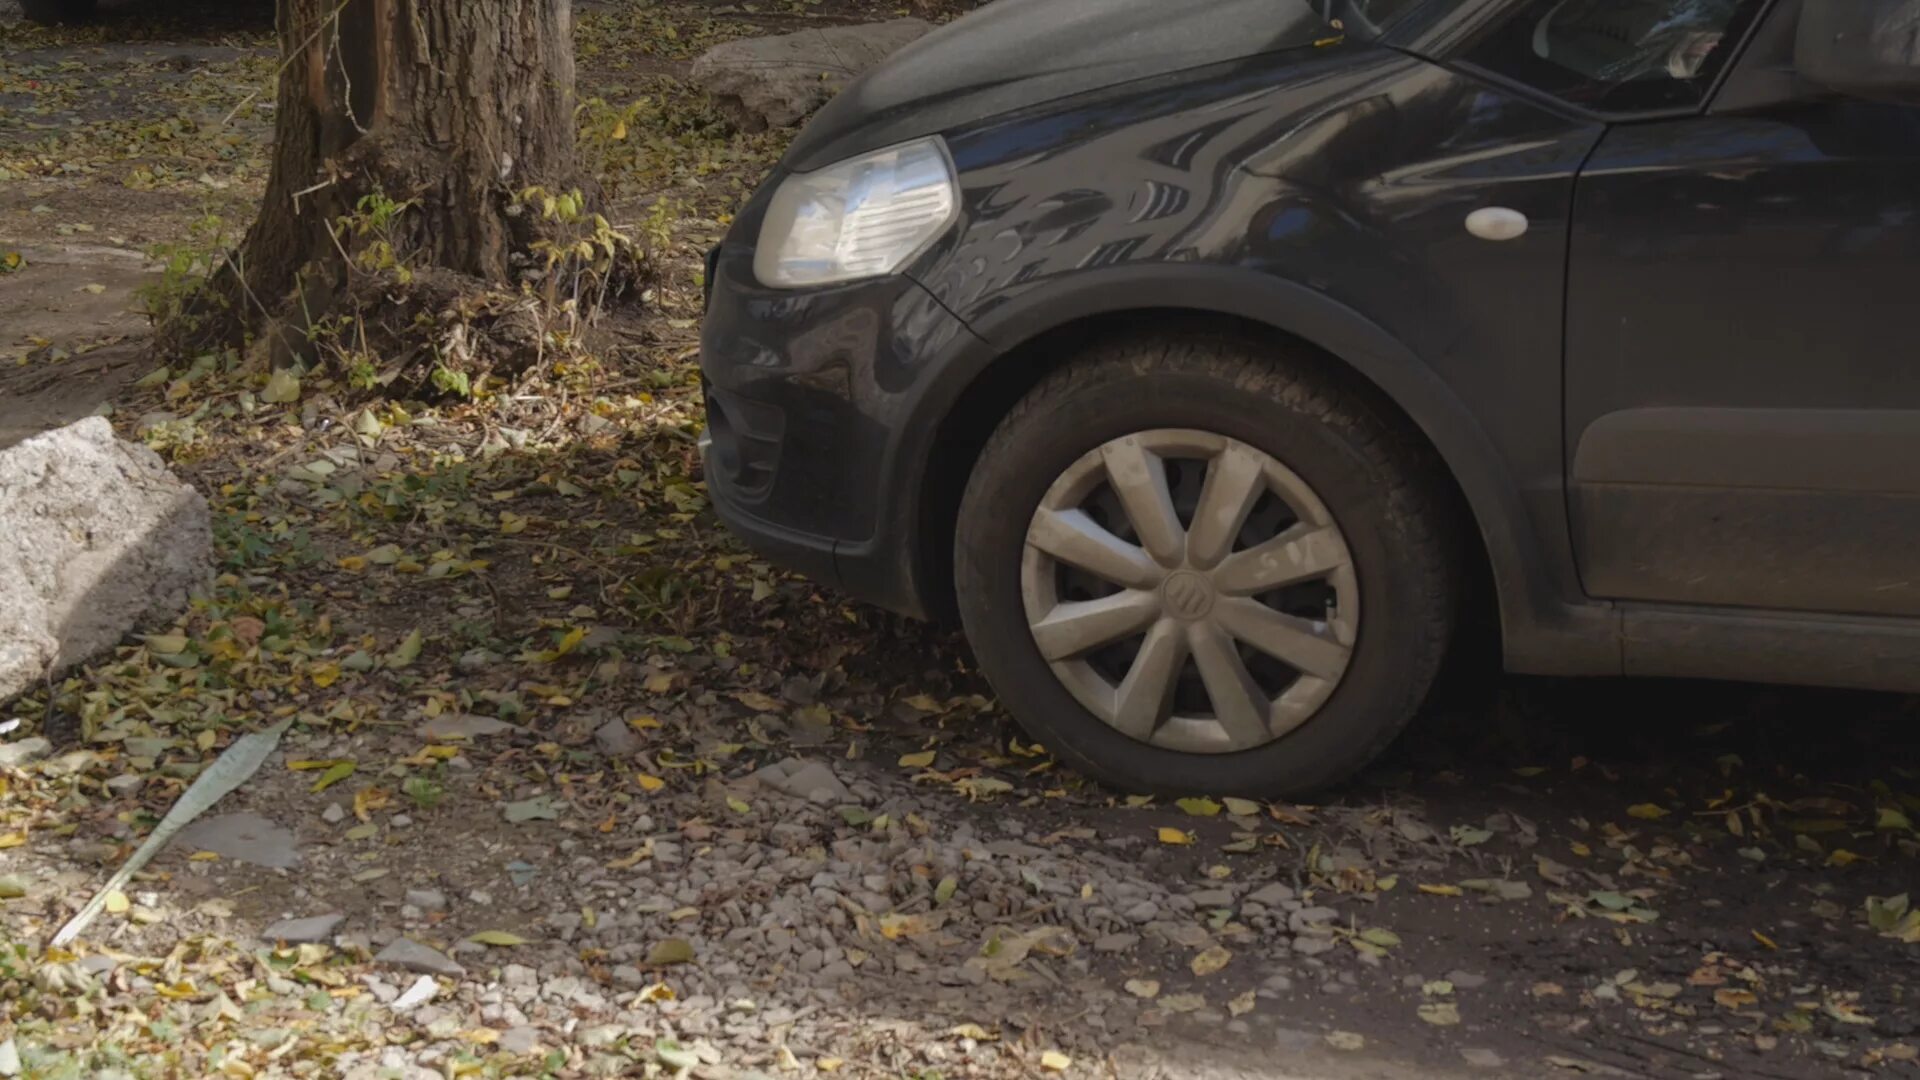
16 754
616 739
1213 898
464 726
400 821
9 1059
314 930
1466 980
126 783
1271 895
427 899
805 779
1312 946
247 838
776 81
334 814
1483 1059
418 994
1116 942
1143 912
519 1040
1311 920
410 955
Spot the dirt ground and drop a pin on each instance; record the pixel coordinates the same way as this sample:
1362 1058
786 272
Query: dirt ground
535 690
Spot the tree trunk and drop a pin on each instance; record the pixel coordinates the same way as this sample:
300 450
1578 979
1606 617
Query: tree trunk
450 107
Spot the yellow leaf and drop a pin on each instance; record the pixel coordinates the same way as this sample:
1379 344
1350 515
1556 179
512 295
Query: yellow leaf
1241 1005
204 856
12 839
117 903
1842 857
324 675
1241 807
1055 1061
335 773
481 1036
757 701
895 926
1729 998
650 783
659 682
1199 807
1580 849
1440 890
167 644
828 1064
1143 988
917 761
353 563
499 938
1647 811
972 1031
658 992
619 131
1210 961
1170 835
1765 940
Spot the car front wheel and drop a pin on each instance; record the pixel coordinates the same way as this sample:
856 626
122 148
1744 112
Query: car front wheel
1193 566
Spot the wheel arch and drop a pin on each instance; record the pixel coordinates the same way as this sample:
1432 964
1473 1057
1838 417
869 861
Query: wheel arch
1031 338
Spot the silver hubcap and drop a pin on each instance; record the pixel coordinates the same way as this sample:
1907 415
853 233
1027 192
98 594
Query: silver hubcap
1190 590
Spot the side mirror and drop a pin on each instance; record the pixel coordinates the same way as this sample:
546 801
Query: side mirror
1862 48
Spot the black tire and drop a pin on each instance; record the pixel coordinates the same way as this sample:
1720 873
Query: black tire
58 11
1382 486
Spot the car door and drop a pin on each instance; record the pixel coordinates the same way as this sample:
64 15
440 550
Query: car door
1743 384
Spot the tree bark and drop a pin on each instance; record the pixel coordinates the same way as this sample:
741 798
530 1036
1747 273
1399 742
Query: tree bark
450 106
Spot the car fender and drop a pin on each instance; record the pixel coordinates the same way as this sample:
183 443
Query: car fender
1542 630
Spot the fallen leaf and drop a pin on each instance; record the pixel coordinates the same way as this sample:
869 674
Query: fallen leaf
500 938
1440 890
670 951
1241 807
1170 835
1468 835
1647 811
335 773
1210 961
1346 1040
1440 1013
757 701
974 1032
1055 1061
1199 807
943 892
1143 988
1729 998
1380 936
1241 1005
283 387
1183 1003
117 903
920 760
407 651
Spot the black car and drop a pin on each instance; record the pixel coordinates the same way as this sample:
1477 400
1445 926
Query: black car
1216 361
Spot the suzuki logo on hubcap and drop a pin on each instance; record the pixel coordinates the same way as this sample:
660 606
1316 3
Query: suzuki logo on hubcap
1188 595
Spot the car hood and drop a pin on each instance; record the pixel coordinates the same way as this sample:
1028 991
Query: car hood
1016 53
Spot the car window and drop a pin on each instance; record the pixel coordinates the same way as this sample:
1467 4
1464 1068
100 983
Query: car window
1617 55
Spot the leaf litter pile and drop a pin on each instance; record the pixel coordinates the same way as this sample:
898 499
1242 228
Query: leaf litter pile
573 785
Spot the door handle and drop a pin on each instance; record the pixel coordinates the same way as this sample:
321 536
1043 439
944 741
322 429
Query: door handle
1497 223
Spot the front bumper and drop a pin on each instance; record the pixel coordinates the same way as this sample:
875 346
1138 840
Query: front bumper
812 401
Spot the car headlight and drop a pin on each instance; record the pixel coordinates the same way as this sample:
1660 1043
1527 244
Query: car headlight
863 217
